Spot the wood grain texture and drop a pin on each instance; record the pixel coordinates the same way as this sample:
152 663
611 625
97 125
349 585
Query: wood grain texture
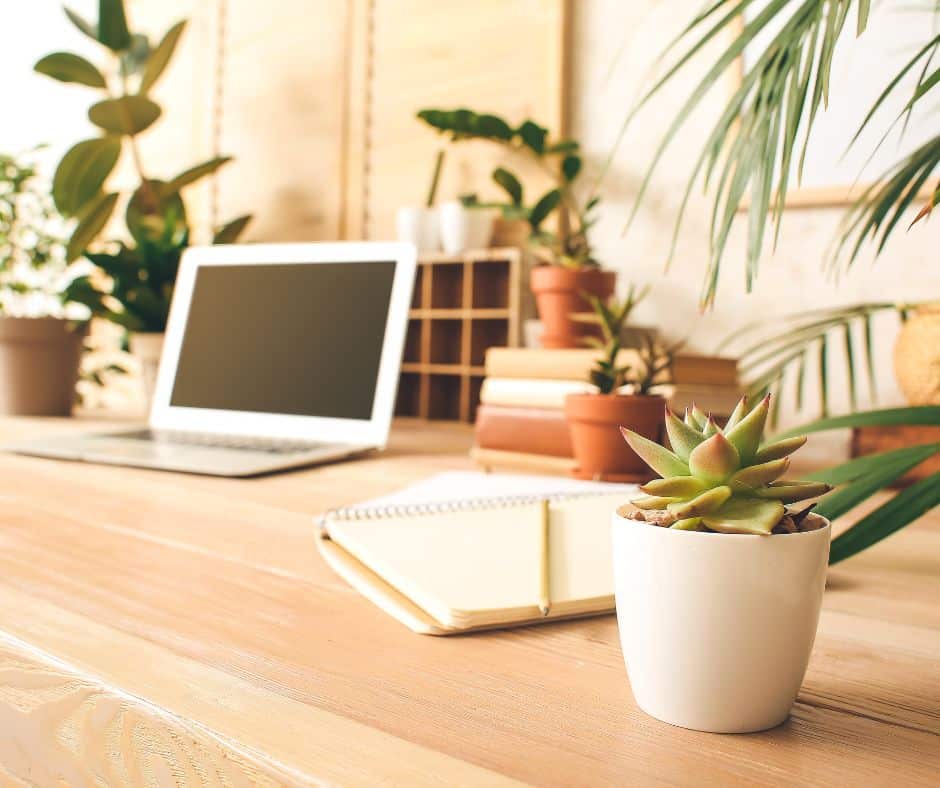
202 605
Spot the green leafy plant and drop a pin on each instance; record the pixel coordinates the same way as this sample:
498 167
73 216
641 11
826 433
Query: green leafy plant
861 478
35 279
751 150
722 479
143 266
568 245
608 374
770 353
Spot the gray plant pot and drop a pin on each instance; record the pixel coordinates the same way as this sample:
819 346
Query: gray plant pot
39 359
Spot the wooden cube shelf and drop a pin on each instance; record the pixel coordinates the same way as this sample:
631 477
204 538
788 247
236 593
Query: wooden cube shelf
462 306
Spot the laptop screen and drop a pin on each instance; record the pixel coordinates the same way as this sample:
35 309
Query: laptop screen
293 339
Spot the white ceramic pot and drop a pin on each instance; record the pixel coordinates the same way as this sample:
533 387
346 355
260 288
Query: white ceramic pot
717 629
147 348
465 228
419 226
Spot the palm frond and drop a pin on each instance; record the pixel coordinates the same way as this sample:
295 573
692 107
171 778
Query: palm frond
767 124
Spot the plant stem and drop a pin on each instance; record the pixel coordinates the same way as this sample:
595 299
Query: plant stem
432 192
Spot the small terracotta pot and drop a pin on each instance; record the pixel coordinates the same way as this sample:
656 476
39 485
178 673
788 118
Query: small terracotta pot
39 358
510 232
599 448
558 292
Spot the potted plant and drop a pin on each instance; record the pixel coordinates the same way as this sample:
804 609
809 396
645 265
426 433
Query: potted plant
568 269
593 418
142 265
42 326
420 224
718 583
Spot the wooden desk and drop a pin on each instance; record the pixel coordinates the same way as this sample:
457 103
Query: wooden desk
183 629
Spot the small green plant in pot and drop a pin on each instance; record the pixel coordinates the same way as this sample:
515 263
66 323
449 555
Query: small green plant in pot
623 397
569 268
718 581
42 322
141 265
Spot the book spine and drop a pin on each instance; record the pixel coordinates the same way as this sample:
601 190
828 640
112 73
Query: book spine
531 393
493 459
525 430
576 364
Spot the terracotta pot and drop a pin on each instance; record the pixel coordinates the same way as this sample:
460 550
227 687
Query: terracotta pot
558 295
599 448
917 356
39 358
147 348
510 232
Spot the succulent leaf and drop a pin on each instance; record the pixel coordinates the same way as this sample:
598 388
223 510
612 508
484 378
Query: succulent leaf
747 433
714 460
711 427
782 448
740 410
758 475
745 516
687 524
682 437
659 458
791 492
700 416
680 487
703 504
653 502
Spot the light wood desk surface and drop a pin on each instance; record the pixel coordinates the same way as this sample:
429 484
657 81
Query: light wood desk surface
167 629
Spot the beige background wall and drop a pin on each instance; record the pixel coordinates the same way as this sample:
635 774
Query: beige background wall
790 280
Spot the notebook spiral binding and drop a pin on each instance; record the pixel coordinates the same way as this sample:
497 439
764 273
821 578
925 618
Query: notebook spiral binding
345 514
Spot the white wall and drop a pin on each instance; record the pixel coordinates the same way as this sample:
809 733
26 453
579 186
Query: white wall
603 88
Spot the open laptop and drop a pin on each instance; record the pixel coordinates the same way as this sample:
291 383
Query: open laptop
275 356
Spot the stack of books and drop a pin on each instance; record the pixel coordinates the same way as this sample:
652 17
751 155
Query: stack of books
521 423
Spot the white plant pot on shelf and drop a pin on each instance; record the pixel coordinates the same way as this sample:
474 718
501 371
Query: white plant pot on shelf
465 228
147 347
419 226
717 629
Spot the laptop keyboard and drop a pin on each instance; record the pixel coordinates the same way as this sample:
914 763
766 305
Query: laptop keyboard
214 441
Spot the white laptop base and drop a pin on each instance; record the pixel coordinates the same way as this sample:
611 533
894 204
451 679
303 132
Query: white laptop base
276 356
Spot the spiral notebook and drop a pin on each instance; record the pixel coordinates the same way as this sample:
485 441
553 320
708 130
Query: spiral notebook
466 551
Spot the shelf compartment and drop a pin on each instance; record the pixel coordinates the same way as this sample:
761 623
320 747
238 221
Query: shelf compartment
417 296
446 341
446 285
408 402
485 334
444 397
491 284
413 339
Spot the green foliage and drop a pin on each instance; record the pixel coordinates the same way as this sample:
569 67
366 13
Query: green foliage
143 269
720 479
560 159
770 354
35 279
751 150
864 476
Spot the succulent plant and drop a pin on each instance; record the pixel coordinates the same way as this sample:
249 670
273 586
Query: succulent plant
721 479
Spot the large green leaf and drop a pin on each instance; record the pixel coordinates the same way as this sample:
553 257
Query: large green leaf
83 171
888 417
68 67
193 174
903 509
154 212
112 25
82 24
126 115
861 466
161 56
90 226
544 207
230 232
509 183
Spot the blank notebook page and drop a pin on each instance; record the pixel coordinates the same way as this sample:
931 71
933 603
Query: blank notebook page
471 567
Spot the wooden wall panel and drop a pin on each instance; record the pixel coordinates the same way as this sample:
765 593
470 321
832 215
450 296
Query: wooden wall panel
503 56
